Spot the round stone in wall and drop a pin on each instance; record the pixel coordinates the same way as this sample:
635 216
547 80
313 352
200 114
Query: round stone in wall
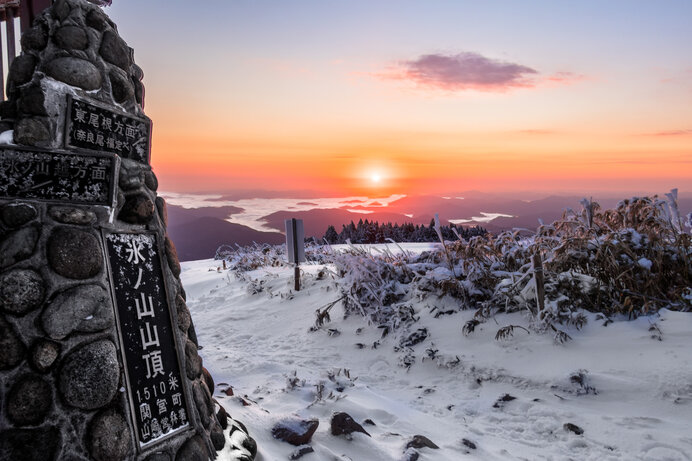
138 209
90 375
115 50
121 87
184 318
209 381
71 38
131 175
30 444
43 354
74 253
193 362
97 20
172 257
163 210
32 100
29 401
193 450
84 309
18 245
69 215
203 402
21 291
12 349
109 436
22 69
35 38
61 9
151 181
32 131
17 214
75 71
139 92
218 439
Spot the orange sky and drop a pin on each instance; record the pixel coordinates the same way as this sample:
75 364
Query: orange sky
430 98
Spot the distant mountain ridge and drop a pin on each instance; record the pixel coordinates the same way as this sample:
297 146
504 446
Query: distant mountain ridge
198 238
179 215
198 232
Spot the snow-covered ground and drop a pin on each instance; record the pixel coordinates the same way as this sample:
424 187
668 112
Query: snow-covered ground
629 392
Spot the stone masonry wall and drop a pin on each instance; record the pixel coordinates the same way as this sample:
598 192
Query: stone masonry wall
74 43
62 385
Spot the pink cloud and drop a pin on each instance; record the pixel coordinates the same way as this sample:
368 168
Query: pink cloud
563 78
470 71
539 132
673 133
683 76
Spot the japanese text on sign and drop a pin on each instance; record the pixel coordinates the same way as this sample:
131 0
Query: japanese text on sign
42 175
153 372
92 126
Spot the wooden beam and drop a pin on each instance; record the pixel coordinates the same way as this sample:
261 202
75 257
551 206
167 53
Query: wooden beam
11 48
25 18
30 10
2 67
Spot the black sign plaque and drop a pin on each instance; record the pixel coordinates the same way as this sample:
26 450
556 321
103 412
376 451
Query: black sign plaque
93 126
57 176
155 388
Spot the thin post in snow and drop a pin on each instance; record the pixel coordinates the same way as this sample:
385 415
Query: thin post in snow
295 246
296 273
540 283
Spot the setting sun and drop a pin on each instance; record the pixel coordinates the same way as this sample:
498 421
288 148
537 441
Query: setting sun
410 116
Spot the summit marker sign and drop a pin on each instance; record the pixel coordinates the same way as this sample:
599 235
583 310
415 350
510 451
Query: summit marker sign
157 396
94 126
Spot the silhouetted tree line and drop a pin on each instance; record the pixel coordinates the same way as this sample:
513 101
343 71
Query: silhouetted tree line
372 232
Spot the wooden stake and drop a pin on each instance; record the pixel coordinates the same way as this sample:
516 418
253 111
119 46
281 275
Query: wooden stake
540 285
296 275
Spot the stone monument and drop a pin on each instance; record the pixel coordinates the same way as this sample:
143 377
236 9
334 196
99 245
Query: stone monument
98 353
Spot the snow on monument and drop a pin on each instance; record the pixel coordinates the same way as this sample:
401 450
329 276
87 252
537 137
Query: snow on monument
98 352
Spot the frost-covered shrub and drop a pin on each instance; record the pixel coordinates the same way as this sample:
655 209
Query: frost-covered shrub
250 258
637 256
255 256
374 285
631 260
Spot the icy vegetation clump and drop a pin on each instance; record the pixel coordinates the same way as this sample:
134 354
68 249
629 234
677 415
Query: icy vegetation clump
249 258
624 262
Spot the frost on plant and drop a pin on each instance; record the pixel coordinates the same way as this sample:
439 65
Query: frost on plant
632 260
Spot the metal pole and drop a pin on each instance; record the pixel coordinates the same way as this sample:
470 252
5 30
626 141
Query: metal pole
296 273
